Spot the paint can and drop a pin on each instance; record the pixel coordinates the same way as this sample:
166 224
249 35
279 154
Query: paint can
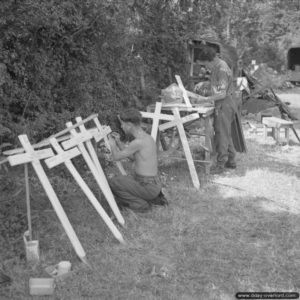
32 249
41 286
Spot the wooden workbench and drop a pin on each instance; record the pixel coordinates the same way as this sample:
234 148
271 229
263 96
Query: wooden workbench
205 112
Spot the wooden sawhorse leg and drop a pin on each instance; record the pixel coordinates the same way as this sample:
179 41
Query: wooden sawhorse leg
208 142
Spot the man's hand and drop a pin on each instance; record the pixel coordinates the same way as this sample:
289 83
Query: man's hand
198 86
116 136
112 141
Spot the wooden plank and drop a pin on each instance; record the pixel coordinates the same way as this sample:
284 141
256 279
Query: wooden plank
160 116
101 135
276 122
90 146
29 156
103 131
62 156
77 139
183 120
186 148
27 187
68 155
155 123
53 199
184 92
208 142
46 141
199 108
98 175
156 117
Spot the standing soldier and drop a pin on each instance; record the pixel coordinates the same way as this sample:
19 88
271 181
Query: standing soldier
221 93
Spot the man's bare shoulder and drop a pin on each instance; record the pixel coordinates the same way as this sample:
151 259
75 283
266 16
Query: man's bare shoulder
149 138
144 141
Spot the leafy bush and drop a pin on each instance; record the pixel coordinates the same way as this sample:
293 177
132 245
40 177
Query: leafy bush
62 58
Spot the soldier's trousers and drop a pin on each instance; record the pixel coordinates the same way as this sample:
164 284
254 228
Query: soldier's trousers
224 117
135 192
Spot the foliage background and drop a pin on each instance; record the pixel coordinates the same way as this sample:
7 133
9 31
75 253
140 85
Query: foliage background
64 58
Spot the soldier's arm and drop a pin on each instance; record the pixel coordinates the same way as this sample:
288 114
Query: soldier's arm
219 89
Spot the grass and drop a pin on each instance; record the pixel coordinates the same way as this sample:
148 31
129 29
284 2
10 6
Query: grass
207 244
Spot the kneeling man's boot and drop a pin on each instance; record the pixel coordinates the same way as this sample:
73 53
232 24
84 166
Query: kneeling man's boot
230 165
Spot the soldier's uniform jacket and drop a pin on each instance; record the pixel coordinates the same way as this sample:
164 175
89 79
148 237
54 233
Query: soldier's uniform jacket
221 79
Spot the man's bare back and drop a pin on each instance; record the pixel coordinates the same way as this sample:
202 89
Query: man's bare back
143 151
140 191
145 158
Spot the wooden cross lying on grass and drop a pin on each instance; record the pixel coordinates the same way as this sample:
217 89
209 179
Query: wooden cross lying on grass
34 157
178 122
65 158
78 140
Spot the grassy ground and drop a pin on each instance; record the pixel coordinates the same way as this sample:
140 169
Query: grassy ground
241 232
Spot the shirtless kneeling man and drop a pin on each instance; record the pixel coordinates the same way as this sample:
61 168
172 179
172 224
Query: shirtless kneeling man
140 191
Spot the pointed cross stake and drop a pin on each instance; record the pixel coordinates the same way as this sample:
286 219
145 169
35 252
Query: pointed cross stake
77 140
65 157
178 122
89 145
184 91
34 158
156 116
102 131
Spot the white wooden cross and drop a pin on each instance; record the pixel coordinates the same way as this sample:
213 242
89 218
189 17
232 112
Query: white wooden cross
103 131
65 158
184 92
34 158
89 145
178 122
156 116
78 140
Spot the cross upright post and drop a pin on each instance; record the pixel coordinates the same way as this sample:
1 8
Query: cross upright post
65 158
156 116
184 92
34 157
178 122
102 131
78 140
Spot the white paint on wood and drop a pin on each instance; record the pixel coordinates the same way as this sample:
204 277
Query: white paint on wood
53 198
160 116
62 156
155 123
184 92
29 156
186 149
99 177
103 131
183 120
101 135
90 147
156 116
46 141
178 122
68 155
77 139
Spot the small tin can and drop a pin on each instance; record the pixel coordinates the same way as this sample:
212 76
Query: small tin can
41 286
